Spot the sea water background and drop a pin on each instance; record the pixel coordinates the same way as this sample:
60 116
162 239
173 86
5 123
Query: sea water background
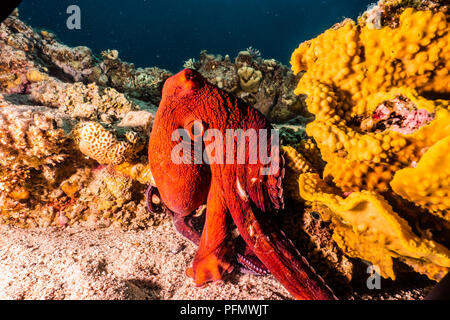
165 33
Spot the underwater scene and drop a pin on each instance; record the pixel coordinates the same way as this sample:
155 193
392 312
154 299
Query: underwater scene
225 150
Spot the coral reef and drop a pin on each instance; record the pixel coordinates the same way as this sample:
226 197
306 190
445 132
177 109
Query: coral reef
347 86
114 198
30 136
72 131
366 177
96 142
380 103
365 226
141 83
23 48
45 178
306 228
82 101
264 83
36 154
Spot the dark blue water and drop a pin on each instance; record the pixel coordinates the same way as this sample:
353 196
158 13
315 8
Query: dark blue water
165 33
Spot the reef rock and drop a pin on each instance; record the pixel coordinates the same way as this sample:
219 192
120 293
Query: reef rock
24 48
61 119
264 83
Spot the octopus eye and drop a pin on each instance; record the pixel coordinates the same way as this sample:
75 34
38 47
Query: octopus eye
190 79
179 135
195 129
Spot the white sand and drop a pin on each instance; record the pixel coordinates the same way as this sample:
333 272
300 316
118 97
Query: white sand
76 263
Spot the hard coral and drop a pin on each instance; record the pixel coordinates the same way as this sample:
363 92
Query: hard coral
387 12
14 68
23 48
373 93
115 198
264 83
80 100
35 154
145 84
43 174
76 62
30 136
249 79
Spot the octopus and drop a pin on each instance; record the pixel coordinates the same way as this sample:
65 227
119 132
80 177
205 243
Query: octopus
189 142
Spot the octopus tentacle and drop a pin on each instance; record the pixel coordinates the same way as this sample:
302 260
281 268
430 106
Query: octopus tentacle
252 265
191 227
153 199
212 259
276 252
246 260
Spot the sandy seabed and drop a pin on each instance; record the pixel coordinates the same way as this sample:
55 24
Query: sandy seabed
76 263
84 264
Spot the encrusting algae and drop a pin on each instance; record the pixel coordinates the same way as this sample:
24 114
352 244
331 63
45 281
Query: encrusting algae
382 133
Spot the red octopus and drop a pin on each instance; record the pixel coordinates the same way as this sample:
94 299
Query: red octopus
236 194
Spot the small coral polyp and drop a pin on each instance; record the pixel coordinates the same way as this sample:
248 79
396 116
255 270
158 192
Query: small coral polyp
378 124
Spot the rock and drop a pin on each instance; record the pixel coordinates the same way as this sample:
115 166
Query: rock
137 119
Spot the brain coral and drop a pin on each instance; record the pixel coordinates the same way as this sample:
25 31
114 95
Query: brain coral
102 145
